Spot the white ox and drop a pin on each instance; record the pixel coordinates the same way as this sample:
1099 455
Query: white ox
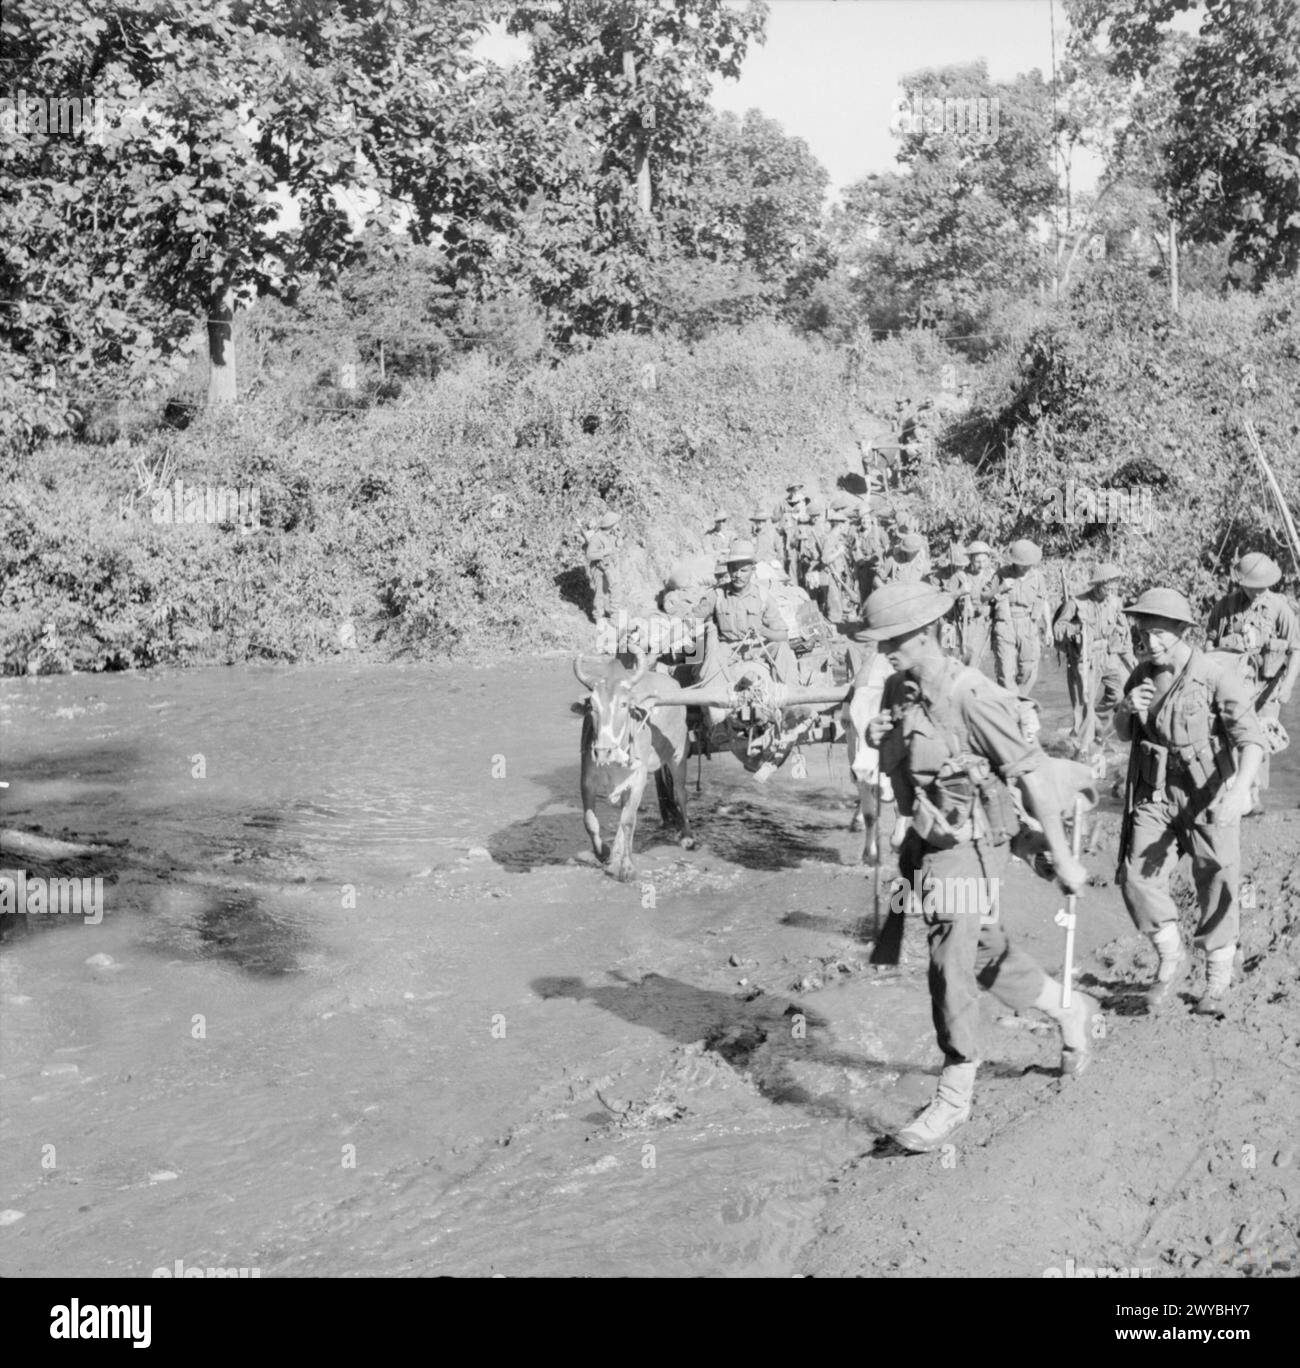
625 738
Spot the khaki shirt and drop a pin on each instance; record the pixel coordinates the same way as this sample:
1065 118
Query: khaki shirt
932 717
750 610
600 547
1264 633
1022 596
1208 704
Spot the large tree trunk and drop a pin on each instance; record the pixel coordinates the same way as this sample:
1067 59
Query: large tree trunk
221 352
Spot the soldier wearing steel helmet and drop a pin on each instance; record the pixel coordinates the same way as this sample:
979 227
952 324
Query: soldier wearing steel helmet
1260 628
908 561
1196 750
949 740
1017 597
973 606
1098 615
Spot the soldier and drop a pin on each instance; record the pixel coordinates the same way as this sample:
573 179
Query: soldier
1196 749
1260 628
947 735
748 623
908 561
796 502
1017 595
812 527
764 537
602 570
718 538
950 575
1110 648
834 566
974 608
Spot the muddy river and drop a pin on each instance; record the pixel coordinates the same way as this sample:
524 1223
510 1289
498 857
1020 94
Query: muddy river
361 1004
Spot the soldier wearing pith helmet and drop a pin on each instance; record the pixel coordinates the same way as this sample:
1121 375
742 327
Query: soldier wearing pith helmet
1260 628
950 740
1196 749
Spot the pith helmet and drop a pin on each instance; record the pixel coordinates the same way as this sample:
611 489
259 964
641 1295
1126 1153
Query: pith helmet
795 493
1106 572
1025 552
720 517
611 520
913 543
980 548
759 516
1255 570
741 553
1162 603
897 608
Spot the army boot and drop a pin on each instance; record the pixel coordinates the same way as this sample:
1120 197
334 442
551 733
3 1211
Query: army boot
1174 964
1075 1022
1218 979
949 1110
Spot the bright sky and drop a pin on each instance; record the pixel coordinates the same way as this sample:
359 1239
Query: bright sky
831 69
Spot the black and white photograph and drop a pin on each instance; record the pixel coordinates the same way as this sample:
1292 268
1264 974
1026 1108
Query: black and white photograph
650 640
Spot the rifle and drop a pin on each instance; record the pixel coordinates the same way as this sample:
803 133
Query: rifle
1126 825
1088 724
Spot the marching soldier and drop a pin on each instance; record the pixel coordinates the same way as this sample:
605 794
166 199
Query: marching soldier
834 565
812 527
949 740
796 502
975 611
602 554
763 536
908 561
1099 615
718 538
950 575
1017 595
1196 750
1260 628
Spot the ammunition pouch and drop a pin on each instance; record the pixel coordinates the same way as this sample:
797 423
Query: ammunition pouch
965 802
1152 768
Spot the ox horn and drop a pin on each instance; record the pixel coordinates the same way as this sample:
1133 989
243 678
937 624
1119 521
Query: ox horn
583 679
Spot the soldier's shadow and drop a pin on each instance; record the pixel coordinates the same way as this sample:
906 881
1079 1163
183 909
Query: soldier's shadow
757 1037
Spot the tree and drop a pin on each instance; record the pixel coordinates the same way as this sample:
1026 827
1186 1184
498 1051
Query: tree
630 80
219 116
1230 170
956 226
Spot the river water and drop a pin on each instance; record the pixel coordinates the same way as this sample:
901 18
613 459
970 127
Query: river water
360 1003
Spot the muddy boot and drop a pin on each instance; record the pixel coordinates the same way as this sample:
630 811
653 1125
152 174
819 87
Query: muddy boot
1218 979
949 1110
1174 964
1075 1022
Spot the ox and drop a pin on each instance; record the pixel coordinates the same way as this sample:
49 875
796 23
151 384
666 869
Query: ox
626 736
864 761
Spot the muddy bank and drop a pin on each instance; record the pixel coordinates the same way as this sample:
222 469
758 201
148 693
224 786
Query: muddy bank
361 1004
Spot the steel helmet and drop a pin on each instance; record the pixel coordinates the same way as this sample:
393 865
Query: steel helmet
1255 570
1025 552
1162 603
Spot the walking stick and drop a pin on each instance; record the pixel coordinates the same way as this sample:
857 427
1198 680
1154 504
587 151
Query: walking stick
1069 916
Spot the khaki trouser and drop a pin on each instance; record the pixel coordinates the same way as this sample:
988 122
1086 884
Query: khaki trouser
967 953
602 591
1163 831
1017 653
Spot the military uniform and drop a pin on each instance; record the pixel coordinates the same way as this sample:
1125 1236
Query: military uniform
737 614
1019 607
602 552
1110 651
1185 752
954 723
975 615
1263 636
834 565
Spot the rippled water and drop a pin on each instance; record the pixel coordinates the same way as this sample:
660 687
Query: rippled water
361 1005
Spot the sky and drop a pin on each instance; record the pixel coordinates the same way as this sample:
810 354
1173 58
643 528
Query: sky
831 70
